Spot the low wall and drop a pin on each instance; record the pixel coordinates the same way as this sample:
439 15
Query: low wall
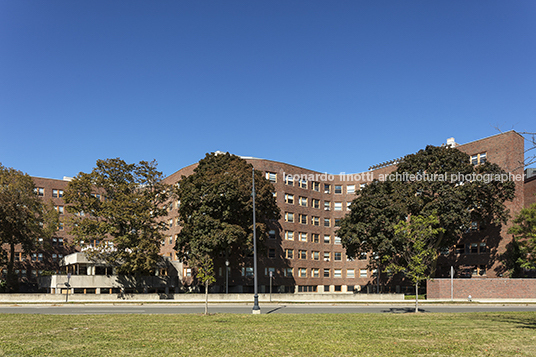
481 288
195 298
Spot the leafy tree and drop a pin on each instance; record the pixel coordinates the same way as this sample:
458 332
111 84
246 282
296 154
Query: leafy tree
524 231
205 273
436 180
24 217
216 209
118 210
416 237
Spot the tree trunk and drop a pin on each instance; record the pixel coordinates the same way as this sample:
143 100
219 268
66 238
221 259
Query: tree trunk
11 279
206 297
417 297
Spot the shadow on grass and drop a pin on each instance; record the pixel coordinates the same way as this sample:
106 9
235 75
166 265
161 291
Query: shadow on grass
274 310
519 321
402 310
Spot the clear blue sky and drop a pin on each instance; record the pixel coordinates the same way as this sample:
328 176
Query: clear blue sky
326 85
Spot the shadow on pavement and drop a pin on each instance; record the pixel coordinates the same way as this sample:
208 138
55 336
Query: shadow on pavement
274 310
402 310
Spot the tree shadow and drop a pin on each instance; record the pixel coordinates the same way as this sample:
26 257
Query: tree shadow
402 310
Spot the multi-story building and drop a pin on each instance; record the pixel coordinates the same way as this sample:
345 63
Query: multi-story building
303 252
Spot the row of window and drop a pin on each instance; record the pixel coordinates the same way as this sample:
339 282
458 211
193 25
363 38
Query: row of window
315 203
40 191
315 186
314 237
471 248
315 255
35 257
301 272
23 274
290 217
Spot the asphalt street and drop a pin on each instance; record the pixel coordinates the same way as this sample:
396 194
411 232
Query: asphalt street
77 309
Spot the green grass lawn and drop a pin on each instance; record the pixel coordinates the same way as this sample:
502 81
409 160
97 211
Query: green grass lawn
473 334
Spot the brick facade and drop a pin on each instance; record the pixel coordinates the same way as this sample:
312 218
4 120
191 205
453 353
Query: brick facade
482 288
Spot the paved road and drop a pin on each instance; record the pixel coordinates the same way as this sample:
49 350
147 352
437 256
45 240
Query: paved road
246 309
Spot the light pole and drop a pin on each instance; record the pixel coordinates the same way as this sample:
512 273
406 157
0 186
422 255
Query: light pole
227 276
256 308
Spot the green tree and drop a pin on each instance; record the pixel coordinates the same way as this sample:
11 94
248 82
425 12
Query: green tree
436 180
24 218
417 237
524 231
216 209
117 214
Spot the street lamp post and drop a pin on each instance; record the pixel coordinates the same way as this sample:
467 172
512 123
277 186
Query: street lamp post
227 276
256 308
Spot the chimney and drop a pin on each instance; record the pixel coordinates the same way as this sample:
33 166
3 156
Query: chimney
451 142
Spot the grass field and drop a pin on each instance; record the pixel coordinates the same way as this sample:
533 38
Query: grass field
474 334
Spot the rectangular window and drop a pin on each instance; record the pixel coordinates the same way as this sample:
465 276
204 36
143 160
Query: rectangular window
40 257
170 239
271 253
337 206
289 199
315 273
303 201
350 189
337 273
289 180
40 191
362 186
303 273
303 237
338 189
289 235
460 248
327 188
337 256
271 176
363 273
289 253
327 205
327 222
271 234
327 255
315 186
59 209
483 248
337 222
302 183
289 217
473 248
337 240
315 221
348 204
315 203
60 226
170 223
315 237
350 273
288 272
327 239
303 218
55 193
479 158
302 254
267 271
326 273
315 255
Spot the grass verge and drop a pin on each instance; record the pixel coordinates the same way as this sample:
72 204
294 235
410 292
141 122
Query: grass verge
471 334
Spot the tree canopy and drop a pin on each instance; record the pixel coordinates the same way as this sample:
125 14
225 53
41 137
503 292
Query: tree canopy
216 208
117 214
524 231
437 181
24 217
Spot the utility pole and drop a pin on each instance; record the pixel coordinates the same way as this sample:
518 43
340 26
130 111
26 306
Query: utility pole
256 308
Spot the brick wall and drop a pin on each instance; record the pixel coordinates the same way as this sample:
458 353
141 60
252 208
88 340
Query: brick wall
482 288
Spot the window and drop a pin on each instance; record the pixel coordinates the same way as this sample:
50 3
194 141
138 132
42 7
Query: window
54 256
289 217
326 273
247 271
271 234
337 273
337 222
267 271
289 180
187 272
326 288
59 209
60 226
327 222
289 253
362 186
40 191
473 248
350 273
337 256
327 239
315 221
315 237
363 273
302 183
315 186
170 223
303 218
302 254
327 205
289 199
315 255
327 188
337 240
288 272
271 176
460 248
474 226
303 237
350 189
348 204
327 255
338 189
483 248
303 201
315 273
170 239
289 235
315 203
479 158
337 206
337 288
55 193
40 257
302 273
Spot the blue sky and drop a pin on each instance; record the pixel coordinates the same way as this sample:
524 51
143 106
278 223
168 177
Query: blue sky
326 85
